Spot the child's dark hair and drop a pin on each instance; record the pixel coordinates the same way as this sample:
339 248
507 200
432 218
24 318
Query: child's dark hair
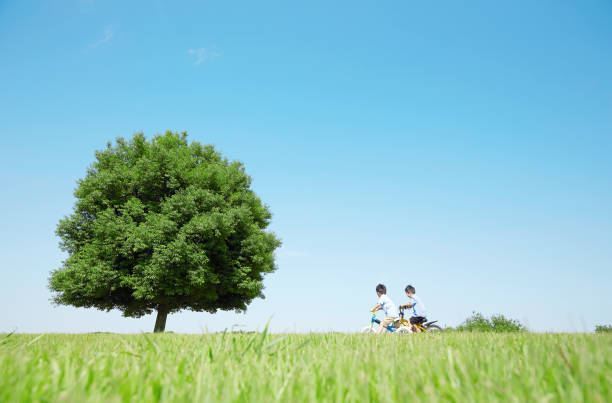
410 289
381 289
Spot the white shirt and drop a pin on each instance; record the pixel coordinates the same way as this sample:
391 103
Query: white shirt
388 306
418 308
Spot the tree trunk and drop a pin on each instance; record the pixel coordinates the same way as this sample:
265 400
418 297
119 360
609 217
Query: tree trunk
160 322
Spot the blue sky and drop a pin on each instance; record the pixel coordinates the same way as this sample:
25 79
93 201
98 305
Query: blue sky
462 148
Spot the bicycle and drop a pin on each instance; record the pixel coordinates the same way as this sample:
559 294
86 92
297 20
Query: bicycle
426 327
400 326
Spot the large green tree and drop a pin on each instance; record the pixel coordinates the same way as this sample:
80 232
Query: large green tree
164 225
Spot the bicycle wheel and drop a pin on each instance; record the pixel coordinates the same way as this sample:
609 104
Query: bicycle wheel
367 330
403 330
434 328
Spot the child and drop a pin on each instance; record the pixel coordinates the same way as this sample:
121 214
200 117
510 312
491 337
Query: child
385 304
418 308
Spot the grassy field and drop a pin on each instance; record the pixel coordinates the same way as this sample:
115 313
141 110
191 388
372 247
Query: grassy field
325 367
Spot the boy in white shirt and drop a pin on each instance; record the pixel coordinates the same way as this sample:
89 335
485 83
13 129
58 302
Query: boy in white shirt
418 308
385 304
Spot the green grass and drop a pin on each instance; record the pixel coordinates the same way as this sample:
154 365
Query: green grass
326 367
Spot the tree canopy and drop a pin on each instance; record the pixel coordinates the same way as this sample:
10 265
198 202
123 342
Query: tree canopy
164 225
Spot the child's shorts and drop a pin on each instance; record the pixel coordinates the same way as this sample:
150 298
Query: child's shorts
388 321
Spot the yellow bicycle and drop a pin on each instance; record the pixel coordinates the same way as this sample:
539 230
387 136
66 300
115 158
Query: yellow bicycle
422 326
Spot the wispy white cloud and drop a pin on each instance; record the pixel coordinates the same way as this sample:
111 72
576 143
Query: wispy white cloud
203 55
109 32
